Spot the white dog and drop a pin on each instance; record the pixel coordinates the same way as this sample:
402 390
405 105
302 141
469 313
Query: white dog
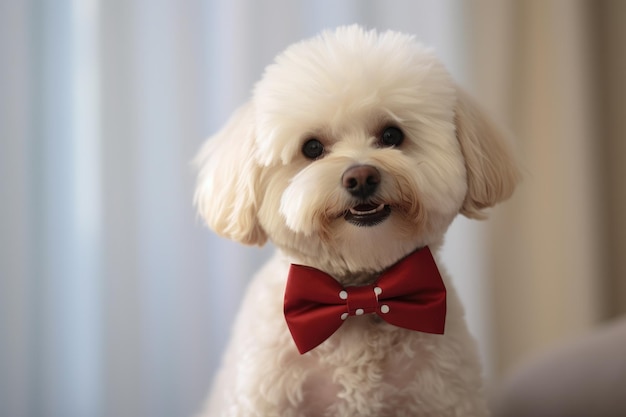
354 154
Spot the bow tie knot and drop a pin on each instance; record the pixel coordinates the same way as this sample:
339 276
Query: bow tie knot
410 294
362 300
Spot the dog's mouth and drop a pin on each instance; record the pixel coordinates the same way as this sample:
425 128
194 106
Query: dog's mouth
366 215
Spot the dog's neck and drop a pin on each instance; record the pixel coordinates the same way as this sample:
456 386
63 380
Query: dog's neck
356 279
343 275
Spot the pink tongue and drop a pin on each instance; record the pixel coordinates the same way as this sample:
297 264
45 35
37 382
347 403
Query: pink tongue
365 207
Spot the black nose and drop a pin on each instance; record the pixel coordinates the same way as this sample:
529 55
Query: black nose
361 180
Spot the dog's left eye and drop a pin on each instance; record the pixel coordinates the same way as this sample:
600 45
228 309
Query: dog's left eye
391 136
312 149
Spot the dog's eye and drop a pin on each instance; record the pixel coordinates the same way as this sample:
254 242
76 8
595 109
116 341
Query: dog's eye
391 136
312 148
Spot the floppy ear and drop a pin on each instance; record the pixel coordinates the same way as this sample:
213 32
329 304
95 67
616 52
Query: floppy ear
226 192
492 172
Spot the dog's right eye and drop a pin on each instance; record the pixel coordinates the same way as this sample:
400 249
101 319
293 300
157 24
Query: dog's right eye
391 136
312 148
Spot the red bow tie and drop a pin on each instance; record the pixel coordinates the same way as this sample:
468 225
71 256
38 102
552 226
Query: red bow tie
410 294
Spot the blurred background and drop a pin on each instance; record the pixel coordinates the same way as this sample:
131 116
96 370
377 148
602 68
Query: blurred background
115 301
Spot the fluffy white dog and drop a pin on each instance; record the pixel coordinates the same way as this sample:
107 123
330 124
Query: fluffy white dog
356 150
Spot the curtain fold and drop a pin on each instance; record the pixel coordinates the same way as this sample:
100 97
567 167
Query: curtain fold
611 55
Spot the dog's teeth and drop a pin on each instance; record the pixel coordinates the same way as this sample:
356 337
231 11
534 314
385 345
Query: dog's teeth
365 213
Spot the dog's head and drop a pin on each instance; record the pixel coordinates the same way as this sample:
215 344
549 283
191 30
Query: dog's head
355 148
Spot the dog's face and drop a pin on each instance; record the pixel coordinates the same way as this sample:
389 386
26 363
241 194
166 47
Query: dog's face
355 149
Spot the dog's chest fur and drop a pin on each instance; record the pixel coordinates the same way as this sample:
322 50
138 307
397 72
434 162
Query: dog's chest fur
368 364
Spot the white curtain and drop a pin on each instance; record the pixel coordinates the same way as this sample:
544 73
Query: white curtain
114 299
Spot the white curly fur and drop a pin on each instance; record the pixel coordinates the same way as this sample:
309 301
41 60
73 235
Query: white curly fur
343 88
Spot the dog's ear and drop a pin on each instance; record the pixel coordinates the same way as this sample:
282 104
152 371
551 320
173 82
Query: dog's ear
492 172
226 192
